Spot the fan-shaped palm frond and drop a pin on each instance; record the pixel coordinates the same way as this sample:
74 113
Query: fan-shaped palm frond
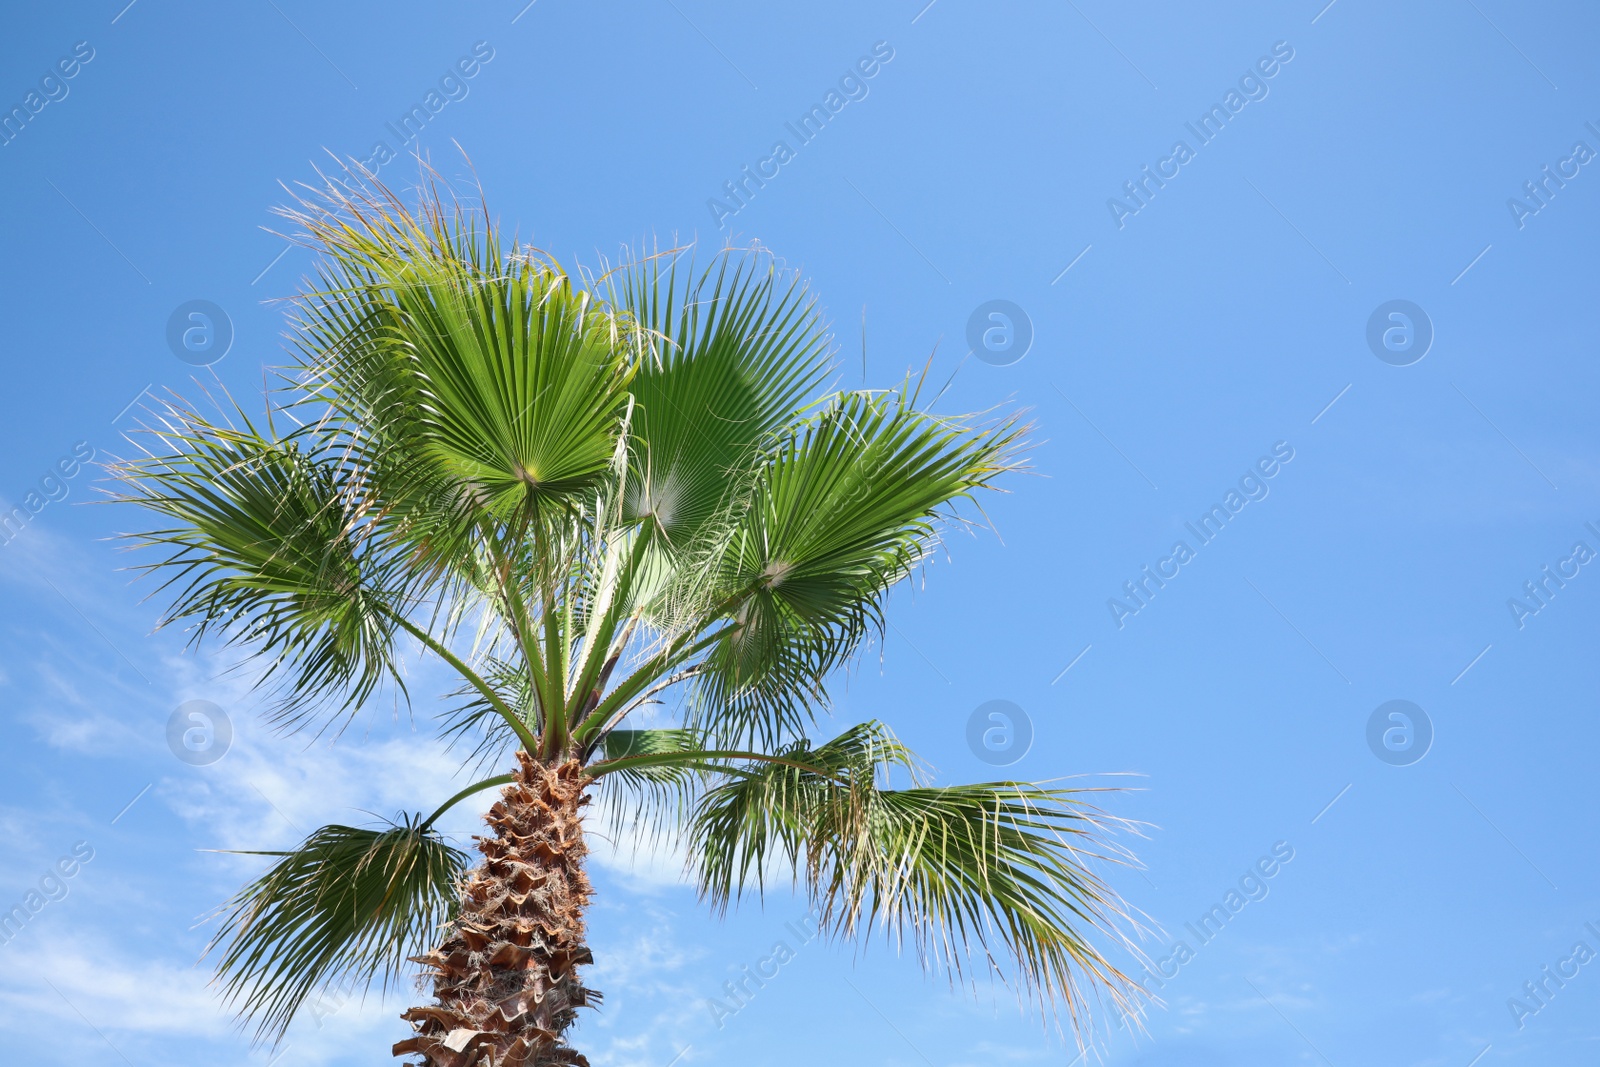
270 543
848 504
1000 870
349 905
586 500
738 348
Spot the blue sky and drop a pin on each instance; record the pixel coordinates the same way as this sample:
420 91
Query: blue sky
1180 335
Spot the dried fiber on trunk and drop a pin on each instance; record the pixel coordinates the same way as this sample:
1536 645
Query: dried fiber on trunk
506 976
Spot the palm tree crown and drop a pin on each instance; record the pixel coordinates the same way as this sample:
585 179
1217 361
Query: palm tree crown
585 499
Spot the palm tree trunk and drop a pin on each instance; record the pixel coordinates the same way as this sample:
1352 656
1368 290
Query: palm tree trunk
505 977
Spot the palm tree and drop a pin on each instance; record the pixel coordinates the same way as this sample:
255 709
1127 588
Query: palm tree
583 500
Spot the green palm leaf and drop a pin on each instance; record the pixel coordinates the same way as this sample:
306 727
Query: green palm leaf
738 348
477 385
999 870
270 545
848 504
627 496
346 907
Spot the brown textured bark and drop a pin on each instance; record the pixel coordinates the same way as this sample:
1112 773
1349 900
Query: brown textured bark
505 977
